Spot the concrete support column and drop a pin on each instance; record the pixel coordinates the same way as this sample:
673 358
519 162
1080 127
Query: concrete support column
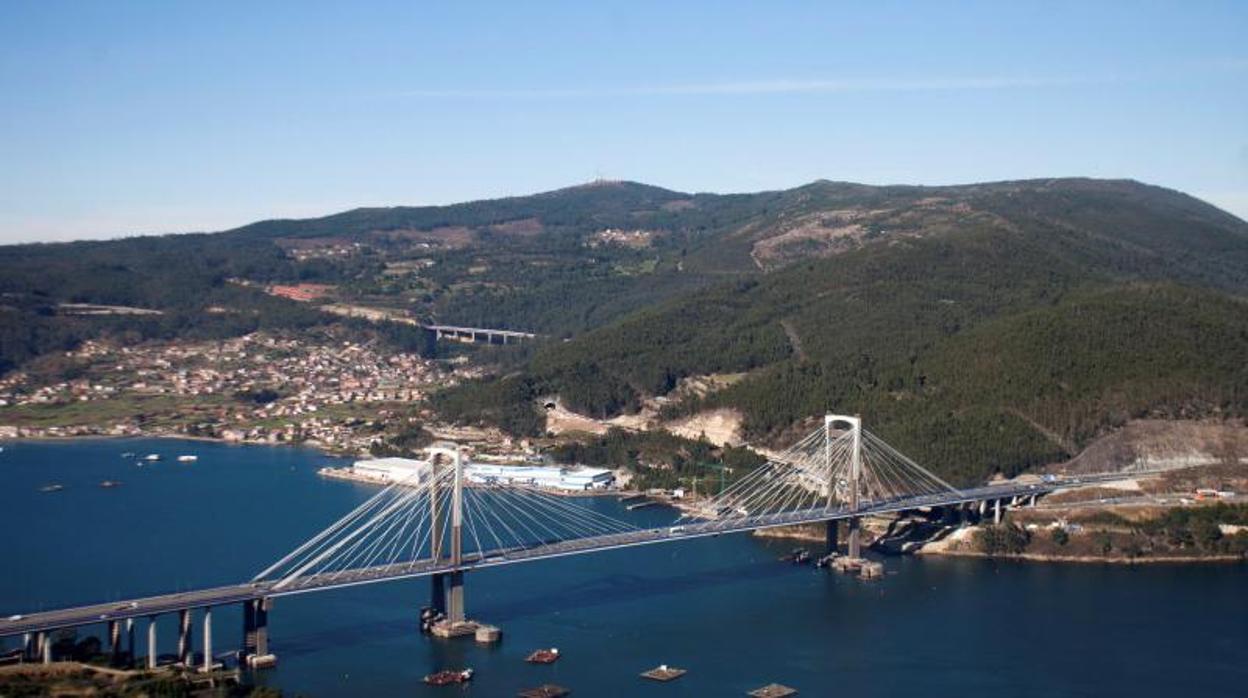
830 537
114 641
262 626
208 639
996 511
45 647
855 537
455 595
184 637
28 651
130 640
455 598
1032 501
152 654
437 593
249 628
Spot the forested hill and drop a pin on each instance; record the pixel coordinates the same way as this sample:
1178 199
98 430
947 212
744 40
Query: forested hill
831 295
1100 301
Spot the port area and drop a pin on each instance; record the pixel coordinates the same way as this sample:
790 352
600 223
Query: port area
572 481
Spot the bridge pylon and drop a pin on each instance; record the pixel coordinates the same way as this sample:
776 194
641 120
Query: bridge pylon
447 588
854 480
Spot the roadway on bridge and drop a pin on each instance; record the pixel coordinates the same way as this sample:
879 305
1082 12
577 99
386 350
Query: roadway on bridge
216 596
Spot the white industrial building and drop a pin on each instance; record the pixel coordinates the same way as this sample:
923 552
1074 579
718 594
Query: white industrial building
393 470
555 478
415 472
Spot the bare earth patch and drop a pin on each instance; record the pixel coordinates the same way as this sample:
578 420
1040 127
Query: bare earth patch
721 427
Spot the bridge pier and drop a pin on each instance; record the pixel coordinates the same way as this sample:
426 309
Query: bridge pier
996 512
184 637
45 647
130 641
855 537
152 654
455 598
27 647
114 642
256 628
830 537
437 593
207 639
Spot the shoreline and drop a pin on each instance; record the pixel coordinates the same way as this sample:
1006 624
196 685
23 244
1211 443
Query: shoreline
1088 560
337 453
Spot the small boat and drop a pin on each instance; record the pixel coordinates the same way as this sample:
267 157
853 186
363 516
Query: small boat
109 483
54 487
546 656
187 459
152 457
448 677
128 454
799 556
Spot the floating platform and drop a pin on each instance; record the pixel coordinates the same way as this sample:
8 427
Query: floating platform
544 656
663 672
448 677
546 690
773 690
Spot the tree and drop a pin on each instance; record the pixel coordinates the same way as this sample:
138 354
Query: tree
1206 533
1003 539
1060 536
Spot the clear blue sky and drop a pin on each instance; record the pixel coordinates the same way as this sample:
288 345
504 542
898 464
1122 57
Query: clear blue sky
135 117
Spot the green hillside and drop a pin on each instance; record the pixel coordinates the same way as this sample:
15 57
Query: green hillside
907 331
832 295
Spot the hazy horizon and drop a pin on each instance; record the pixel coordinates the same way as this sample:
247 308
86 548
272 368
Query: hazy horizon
144 118
313 215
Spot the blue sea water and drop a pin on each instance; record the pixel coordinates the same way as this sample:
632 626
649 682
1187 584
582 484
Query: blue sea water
723 608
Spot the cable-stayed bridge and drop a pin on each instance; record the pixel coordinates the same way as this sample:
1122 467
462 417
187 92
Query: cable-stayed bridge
436 524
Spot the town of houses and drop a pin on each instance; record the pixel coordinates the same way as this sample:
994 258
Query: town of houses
258 387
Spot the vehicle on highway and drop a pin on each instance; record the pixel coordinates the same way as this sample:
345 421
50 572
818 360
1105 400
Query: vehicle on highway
14 618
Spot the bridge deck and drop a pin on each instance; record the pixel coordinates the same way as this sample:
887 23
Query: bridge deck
479 330
165 603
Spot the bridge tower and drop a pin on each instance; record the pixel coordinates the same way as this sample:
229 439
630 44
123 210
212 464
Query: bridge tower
854 484
437 592
448 599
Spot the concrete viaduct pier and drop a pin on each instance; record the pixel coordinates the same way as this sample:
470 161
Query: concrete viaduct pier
38 646
475 334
